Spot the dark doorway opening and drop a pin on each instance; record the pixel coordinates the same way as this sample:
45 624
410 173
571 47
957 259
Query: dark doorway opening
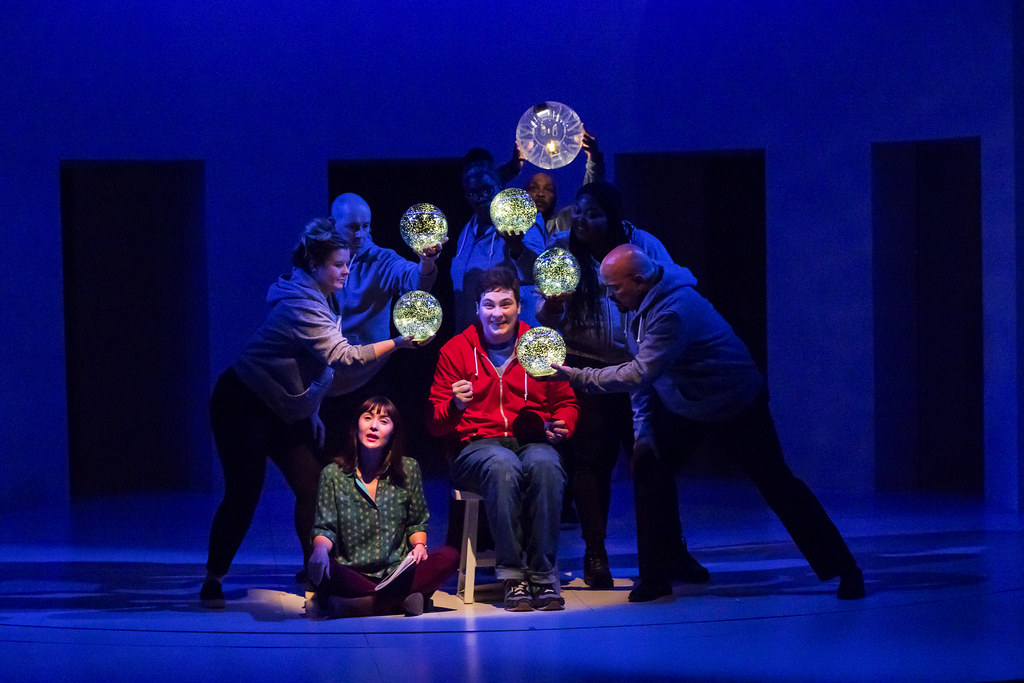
135 308
927 315
708 209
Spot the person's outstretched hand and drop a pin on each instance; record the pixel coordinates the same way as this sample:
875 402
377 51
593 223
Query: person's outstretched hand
561 373
590 146
429 255
319 566
403 342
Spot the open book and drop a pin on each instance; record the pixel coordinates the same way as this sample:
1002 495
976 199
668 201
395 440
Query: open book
406 563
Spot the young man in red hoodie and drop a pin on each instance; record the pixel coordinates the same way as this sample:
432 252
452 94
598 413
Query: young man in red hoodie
506 423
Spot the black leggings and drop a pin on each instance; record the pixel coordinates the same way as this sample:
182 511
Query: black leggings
247 432
604 428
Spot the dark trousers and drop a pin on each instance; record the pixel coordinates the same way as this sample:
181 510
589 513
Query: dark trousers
424 578
604 427
247 433
750 437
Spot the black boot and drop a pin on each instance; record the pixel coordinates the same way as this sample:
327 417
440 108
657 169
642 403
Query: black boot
851 585
596 573
687 569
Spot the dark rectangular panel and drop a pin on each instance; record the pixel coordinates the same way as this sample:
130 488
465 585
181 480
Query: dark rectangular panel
135 320
929 408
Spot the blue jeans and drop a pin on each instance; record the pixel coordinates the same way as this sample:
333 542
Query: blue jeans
522 490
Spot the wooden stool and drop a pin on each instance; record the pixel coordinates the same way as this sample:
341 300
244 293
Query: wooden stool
469 557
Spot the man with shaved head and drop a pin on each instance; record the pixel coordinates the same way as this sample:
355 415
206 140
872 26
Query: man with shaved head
692 378
376 277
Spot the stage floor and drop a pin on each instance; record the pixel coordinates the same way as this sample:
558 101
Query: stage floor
109 590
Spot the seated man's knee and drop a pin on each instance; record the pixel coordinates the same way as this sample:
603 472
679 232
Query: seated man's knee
543 463
503 469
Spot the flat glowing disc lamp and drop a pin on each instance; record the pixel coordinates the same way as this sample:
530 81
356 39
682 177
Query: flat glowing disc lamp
556 272
538 348
417 314
513 211
549 134
423 226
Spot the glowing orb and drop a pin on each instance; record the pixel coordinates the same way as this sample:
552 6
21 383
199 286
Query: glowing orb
423 226
513 211
550 135
538 348
417 314
556 272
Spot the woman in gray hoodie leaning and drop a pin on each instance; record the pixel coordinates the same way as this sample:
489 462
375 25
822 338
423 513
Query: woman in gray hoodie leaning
265 405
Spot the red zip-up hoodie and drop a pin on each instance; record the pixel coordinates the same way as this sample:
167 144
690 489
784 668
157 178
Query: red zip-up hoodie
511 404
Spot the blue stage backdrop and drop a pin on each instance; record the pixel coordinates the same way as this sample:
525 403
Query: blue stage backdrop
262 97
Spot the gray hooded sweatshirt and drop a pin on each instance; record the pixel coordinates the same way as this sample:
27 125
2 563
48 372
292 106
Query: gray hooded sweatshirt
683 350
297 353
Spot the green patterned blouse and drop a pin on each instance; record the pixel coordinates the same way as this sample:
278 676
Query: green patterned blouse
370 536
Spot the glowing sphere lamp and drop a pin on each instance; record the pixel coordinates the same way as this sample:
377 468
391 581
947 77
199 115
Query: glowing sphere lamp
423 226
417 314
549 134
556 272
538 348
513 211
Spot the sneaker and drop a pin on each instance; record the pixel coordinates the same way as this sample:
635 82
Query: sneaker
546 598
687 569
517 596
211 595
596 573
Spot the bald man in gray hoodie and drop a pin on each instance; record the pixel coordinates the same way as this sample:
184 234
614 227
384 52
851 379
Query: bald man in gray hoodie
692 378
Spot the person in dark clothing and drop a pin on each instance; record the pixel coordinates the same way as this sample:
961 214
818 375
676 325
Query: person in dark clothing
691 377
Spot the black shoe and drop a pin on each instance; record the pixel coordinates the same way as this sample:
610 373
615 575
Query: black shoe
339 607
517 596
413 605
596 573
211 595
546 598
851 585
687 569
651 590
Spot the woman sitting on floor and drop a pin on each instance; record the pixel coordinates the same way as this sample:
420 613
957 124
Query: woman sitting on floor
371 516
